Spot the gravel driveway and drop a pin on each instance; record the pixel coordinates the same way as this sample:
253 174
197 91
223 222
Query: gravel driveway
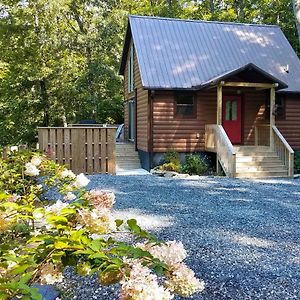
243 236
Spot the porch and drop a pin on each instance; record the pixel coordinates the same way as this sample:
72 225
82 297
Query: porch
267 155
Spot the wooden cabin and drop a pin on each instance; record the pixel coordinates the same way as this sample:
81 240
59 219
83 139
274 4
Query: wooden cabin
198 86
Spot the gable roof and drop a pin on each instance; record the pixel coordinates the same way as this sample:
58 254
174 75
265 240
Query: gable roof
187 54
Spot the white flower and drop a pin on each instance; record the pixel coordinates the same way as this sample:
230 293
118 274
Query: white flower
142 285
51 278
81 181
99 222
170 253
31 170
67 173
36 160
11 265
69 196
183 282
39 187
57 207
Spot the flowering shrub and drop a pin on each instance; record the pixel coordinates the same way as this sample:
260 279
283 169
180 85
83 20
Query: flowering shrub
39 237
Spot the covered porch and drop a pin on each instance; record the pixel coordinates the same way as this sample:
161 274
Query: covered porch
248 147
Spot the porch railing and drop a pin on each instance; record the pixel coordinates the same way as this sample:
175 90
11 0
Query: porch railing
280 146
216 140
262 135
284 151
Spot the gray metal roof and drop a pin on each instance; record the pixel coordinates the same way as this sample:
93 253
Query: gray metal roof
186 54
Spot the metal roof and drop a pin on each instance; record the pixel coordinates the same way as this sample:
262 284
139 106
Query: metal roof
187 54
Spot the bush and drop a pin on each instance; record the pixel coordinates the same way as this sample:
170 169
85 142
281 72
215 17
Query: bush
173 167
297 162
194 165
171 161
39 236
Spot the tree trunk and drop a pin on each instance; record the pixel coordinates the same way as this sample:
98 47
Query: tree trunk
297 16
45 101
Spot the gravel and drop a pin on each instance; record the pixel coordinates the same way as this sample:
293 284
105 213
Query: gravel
242 236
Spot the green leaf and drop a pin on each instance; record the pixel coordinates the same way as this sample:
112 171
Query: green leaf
26 277
119 222
34 293
57 220
20 269
100 255
96 245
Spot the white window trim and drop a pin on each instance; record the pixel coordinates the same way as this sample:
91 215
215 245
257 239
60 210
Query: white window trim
131 70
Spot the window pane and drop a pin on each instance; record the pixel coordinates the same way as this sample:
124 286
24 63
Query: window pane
185 105
233 110
228 111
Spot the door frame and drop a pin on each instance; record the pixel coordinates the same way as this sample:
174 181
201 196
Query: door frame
131 119
241 96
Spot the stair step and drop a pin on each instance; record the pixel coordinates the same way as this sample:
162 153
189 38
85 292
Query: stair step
262 174
256 153
252 149
275 168
258 158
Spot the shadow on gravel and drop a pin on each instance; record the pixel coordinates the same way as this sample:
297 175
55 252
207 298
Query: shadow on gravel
243 236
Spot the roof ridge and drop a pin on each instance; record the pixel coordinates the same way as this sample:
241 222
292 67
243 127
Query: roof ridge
203 21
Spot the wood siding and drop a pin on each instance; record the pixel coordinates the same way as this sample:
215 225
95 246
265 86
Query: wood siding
187 135
141 105
290 127
253 113
183 135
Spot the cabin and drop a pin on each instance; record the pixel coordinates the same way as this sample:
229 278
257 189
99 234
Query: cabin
200 86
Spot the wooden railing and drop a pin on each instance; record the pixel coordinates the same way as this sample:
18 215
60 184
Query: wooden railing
283 150
262 135
216 140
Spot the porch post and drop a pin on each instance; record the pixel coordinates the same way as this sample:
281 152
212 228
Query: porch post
272 116
219 118
219 104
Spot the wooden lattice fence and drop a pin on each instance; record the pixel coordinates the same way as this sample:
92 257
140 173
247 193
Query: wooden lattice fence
86 150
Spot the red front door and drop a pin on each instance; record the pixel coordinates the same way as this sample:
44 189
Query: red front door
232 120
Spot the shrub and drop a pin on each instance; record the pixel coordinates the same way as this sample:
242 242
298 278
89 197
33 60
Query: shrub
171 161
194 165
39 237
172 157
170 167
297 162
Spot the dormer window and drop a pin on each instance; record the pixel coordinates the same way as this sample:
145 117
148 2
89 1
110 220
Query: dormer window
130 70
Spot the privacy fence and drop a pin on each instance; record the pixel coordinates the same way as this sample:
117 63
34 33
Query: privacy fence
86 149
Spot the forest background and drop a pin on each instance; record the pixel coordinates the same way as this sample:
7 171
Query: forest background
59 59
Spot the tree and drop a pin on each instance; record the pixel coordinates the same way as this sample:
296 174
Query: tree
296 5
61 60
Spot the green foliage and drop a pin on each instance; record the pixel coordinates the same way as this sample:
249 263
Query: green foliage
297 162
39 237
171 166
194 165
60 58
171 161
36 240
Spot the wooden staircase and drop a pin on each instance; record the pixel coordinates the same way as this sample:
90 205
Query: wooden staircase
250 161
258 161
126 157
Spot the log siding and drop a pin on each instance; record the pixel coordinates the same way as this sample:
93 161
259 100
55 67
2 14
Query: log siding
141 106
290 126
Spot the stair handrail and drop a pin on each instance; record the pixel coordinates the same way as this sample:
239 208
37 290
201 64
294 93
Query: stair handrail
216 140
284 151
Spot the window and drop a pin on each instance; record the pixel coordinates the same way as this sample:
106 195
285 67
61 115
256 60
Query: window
231 110
279 109
130 68
185 106
131 120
